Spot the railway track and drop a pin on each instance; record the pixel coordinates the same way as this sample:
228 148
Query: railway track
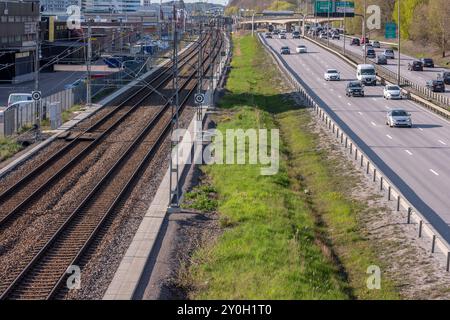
44 273
14 199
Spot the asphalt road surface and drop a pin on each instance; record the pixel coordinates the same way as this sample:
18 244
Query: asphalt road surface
418 77
415 159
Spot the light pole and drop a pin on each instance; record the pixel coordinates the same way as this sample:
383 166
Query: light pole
328 24
345 16
364 32
253 22
398 40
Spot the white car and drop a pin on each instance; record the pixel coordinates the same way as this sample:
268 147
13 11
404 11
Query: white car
301 49
389 53
398 118
369 46
332 74
375 43
392 92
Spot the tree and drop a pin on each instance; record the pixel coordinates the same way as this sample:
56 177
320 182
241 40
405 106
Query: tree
407 8
282 6
438 17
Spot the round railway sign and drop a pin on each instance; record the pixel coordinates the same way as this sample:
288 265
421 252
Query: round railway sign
199 98
36 95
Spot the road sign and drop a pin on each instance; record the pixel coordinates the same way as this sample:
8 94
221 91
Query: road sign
323 7
36 95
347 7
199 98
390 30
334 9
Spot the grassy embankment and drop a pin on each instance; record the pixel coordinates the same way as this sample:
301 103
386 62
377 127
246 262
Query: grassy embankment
279 241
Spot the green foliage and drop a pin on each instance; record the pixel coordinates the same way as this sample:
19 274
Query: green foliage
8 147
282 6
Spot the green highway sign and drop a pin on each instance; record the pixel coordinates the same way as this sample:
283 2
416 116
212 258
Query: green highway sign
337 9
324 6
390 30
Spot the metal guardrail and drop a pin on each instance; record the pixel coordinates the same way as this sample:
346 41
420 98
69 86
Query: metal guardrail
356 153
440 100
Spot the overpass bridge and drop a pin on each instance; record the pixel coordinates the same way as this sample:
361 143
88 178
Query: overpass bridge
286 20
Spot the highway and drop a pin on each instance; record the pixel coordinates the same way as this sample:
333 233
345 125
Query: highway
418 77
415 159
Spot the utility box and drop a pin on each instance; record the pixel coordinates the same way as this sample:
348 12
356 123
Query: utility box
55 115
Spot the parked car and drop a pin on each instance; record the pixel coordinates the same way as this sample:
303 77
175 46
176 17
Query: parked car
389 53
355 42
436 85
375 43
370 53
268 35
296 35
444 76
381 59
332 74
19 97
354 88
392 92
285 50
427 62
398 118
301 49
415 66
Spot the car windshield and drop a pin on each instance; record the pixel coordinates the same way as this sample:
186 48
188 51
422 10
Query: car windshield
393 88
368 72
332 71
301 46
399 113
354 85
389 51
427 60
285 48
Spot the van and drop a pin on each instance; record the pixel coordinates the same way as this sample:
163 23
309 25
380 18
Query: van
19 97
366 74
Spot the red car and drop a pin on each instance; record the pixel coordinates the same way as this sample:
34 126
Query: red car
364 40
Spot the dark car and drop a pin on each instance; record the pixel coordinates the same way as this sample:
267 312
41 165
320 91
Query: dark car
364 40
444 76
295 35
355 42
415 66
335 35
268 35
370 53
354 88
436 85
285 50
427 62
381 59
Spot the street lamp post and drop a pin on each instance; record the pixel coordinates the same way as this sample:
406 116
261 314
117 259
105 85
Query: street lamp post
328 24
364 32
345 16
253 22
398 40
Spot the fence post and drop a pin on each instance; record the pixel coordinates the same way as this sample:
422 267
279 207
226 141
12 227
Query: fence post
374 175
448 261
409 215
433 243
398 203
420 228
389 193
368 166
381 184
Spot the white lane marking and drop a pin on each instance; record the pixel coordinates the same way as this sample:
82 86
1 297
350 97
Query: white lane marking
386 107
374 99
409 152
420 129
389 136
340 96
374 124
360 112
434 172
349 103
442 142
332 89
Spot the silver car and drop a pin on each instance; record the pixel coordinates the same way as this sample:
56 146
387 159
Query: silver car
389 53
398 118
392 92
